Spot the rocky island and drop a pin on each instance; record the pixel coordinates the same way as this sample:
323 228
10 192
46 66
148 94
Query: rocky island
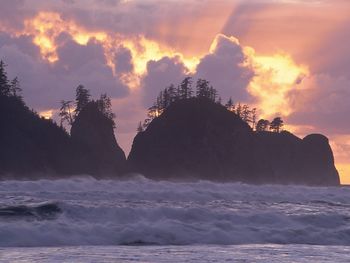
185 137
199 138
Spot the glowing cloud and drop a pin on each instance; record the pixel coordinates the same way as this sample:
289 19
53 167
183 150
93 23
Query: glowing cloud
275 77
46 27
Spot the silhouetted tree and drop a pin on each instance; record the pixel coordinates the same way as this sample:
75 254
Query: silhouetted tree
15 88
4 82
82 98
229 105
253 118
185 89
66 112
262 125
173 93
152 113
239 110
204 90
276 125
165 98
105 106
245 116
213 93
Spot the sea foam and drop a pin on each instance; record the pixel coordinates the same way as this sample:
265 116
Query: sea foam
144 212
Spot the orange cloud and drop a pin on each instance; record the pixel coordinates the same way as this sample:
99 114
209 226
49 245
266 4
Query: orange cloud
276 76
46 27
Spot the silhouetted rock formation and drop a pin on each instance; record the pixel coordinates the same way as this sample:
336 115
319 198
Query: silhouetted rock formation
197 138
31 146
92 132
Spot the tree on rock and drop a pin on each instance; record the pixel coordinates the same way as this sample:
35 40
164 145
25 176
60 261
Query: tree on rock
82 98
105 106
229 105
185 89
276 125
205 90
15 88
4 82
66 112
262 125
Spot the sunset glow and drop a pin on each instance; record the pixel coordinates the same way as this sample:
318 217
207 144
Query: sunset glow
47 114
276 76
285 57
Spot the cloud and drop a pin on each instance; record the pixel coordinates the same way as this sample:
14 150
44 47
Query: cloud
11 14
45 84
227 68
322 102
160 74
123 61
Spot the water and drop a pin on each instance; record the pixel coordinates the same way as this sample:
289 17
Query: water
86 220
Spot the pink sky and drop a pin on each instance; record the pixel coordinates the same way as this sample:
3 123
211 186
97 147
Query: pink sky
287 57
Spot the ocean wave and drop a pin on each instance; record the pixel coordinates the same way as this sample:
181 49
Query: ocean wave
144 212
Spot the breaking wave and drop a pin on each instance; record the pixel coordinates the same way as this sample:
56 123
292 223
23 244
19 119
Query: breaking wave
86 211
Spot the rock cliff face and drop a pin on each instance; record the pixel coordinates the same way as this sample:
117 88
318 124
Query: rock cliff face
30 145
92 134
199 139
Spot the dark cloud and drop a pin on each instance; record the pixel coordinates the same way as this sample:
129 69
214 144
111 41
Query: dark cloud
23 43
12 13
45 84
225 68
123 61
72 56
323 103
325 100
160 74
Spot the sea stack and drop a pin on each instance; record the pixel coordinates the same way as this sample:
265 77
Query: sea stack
197 138
92 134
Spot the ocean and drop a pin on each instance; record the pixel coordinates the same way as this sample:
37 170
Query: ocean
82 219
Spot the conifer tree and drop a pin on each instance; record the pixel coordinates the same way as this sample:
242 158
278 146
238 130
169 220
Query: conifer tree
4 82
245 116
105 106
15 88
173 94
185 89
82 98
229 105
202 88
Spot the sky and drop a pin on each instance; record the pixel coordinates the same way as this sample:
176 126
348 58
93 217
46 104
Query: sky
288 58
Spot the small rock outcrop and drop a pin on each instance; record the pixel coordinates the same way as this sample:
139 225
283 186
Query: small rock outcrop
92 134
199 139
